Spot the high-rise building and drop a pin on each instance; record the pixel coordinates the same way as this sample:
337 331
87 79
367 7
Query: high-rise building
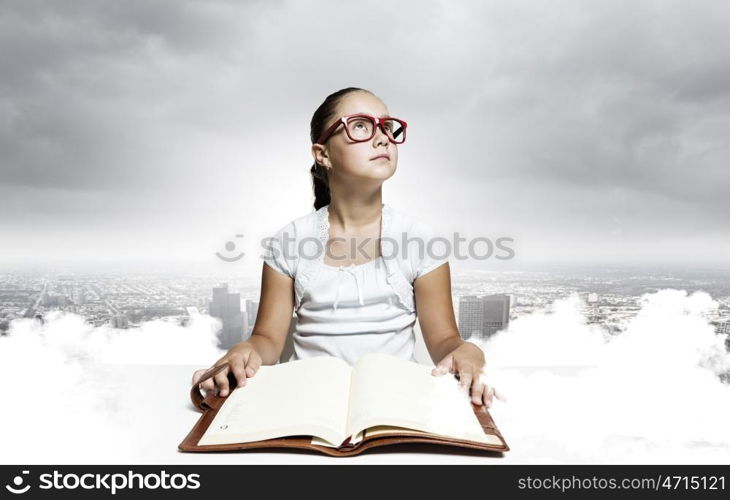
593 308
119 321
252 309
227 307
723 327
471 316
483 316
496 313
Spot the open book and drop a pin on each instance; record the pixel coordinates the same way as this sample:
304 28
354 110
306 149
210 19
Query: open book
325 404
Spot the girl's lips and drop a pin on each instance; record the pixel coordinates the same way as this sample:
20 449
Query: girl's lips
381 156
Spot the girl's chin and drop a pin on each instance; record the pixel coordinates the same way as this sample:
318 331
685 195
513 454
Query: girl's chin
377 176
378 169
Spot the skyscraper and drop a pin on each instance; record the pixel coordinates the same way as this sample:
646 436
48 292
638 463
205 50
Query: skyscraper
252 309
119 320
593 308
481 317
471 316
723 327
227 307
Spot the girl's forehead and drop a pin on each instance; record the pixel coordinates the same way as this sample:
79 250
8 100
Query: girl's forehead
362 103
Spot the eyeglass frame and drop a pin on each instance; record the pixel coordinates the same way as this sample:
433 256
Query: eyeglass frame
379 122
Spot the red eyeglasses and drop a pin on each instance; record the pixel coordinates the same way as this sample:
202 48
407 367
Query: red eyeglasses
361 128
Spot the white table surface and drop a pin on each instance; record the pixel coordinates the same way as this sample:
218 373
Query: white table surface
141 413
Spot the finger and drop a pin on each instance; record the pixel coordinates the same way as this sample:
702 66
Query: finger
253 363
239 370
444 366
499 395
197 374
221 379
208 384
488 393
465 379
463 374
477 392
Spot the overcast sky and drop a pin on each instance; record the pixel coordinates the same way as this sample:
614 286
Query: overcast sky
157 131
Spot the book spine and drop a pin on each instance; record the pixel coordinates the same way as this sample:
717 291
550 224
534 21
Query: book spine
347 443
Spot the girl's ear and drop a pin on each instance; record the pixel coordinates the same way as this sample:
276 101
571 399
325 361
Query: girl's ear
320 155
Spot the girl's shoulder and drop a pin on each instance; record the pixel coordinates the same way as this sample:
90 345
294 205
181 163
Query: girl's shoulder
404 222
418 246
282 249
315 223
301 226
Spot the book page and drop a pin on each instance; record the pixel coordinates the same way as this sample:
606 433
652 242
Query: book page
389 391
302 397
353 441
388 430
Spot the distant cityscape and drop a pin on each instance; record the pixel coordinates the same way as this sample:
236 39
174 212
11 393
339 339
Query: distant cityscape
484 302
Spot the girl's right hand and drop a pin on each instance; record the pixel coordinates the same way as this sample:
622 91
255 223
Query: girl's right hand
242 359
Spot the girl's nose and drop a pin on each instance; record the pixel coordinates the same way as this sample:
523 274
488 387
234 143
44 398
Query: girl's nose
380 136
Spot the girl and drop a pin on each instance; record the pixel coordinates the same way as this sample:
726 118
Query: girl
350 297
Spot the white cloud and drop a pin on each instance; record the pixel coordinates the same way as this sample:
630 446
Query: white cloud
68 386
649 395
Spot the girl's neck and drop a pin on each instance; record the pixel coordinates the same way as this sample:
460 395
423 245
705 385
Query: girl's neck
355 212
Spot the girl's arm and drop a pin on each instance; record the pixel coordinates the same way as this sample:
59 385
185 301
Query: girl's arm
448 350
268 336
435 312
276 305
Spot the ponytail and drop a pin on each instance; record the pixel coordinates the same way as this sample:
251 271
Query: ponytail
320 185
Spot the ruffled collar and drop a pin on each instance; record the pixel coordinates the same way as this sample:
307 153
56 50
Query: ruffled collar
323 224
308 269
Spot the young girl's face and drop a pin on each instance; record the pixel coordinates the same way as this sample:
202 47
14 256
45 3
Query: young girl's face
354 160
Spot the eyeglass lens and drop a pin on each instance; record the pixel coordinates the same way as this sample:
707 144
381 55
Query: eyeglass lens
362 129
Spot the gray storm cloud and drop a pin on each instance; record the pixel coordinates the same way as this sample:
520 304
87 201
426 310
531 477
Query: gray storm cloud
586 131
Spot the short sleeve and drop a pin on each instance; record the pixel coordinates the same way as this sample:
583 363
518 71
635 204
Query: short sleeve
432 253
280 251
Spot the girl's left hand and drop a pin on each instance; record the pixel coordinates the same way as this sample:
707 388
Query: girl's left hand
466 363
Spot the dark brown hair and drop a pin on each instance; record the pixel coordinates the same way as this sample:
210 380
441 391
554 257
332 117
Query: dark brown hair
322 117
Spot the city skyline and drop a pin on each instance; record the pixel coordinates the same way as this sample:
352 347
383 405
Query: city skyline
611 299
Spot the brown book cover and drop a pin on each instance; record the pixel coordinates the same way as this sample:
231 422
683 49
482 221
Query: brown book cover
372 437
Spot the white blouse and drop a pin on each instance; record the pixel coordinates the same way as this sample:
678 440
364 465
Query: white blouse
349 311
